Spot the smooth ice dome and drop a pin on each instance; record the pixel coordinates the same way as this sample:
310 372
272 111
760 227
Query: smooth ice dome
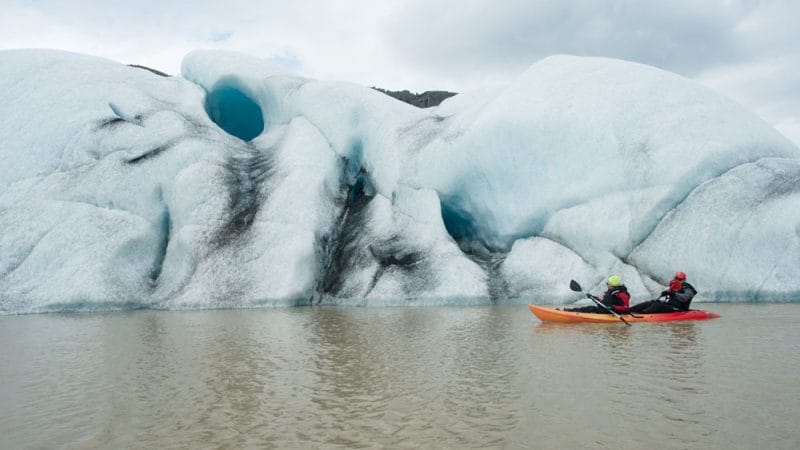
239 184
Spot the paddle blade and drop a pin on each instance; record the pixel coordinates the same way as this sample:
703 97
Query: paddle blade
575 286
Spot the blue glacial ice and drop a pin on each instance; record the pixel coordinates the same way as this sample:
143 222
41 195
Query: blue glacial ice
238 184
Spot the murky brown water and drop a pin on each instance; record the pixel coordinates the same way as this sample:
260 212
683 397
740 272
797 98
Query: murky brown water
451 377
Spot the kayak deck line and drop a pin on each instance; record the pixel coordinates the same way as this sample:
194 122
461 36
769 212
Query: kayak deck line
546 314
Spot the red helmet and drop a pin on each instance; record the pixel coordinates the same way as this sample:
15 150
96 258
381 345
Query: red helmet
680 276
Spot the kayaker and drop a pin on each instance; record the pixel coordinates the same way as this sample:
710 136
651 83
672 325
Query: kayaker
677 298
616 298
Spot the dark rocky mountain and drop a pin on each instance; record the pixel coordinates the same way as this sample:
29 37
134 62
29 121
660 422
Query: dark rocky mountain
157 72
426 99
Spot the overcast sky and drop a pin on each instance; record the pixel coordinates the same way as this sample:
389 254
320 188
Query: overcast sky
747 49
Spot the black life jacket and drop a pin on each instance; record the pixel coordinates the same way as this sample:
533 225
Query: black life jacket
617 298
683 298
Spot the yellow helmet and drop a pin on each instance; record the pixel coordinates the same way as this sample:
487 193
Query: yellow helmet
614 280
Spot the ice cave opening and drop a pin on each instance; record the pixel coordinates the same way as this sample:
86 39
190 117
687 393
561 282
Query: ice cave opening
234 111
464 228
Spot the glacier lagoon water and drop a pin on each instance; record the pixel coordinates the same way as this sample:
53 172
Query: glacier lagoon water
437 377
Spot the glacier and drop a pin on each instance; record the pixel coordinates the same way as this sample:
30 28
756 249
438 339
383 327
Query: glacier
239 184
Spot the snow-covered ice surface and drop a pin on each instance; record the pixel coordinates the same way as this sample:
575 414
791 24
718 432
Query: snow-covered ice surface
241 185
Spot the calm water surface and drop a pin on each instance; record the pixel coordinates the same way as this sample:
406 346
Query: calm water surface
451 377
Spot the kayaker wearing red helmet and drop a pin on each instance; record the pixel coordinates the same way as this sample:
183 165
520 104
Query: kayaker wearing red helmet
677 297
616 298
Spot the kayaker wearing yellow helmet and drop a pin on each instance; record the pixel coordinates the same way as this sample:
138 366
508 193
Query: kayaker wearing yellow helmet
616 298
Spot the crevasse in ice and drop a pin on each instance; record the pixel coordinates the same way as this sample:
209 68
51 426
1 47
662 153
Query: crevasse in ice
239 184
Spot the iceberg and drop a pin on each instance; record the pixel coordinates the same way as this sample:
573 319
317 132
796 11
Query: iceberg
239 184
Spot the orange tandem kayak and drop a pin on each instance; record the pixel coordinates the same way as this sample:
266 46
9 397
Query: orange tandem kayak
556 315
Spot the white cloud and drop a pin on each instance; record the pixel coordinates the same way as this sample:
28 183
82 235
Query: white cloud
474 36
325 39
768 87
